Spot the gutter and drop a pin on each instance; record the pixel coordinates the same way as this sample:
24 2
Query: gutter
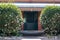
38 5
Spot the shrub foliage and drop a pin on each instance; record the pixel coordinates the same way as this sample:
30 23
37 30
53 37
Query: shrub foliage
10 20
50 20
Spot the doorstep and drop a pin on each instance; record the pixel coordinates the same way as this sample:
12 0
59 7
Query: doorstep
32 33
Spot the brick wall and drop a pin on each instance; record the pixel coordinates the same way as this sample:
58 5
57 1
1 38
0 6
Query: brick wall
41 1
31 9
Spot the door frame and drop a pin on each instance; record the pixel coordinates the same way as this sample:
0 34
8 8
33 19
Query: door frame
39 24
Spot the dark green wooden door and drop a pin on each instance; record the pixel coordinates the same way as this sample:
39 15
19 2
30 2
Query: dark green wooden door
31 20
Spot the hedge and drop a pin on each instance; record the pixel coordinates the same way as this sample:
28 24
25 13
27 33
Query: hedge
10 19
50 20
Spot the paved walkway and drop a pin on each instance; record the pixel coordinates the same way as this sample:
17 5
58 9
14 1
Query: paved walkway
31 37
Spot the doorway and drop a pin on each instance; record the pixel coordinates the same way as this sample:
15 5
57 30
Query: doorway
30 20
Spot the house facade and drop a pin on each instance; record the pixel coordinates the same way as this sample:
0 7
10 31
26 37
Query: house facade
31 14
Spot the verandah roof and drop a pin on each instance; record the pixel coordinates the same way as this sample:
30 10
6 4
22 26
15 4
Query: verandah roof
33 6
39 5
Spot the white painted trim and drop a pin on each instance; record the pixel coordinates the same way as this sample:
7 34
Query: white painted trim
34 4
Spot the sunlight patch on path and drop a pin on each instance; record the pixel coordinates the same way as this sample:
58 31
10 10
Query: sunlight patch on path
30 39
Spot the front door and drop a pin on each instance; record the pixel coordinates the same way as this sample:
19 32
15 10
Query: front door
30 20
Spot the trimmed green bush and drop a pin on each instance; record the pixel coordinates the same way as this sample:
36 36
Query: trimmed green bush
50 20
10 20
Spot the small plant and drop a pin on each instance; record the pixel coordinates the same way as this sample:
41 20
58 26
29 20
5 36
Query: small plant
50 20
10 20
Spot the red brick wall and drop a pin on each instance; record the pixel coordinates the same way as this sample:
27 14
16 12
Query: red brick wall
31 9
41 1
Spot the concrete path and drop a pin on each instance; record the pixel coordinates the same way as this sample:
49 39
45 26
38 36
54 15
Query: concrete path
29 37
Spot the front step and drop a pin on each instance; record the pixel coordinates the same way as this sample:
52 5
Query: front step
32 33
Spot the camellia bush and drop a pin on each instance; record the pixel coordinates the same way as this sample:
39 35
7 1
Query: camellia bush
50 20
10 20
